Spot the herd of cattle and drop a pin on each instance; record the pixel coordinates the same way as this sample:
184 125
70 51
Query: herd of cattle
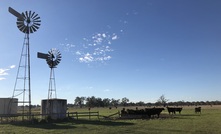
152 112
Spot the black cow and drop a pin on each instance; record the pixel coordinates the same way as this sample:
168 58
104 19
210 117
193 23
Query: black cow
153 111
198 110
179 109
173 110
142 112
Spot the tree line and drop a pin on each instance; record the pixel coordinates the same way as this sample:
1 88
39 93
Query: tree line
106 102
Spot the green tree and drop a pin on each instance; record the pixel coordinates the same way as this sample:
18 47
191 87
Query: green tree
106 102
115 102
124 101
79 101
91 101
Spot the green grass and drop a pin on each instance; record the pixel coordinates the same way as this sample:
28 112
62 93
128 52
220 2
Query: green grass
209 122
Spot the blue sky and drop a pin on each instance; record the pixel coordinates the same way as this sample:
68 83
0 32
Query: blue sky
118 48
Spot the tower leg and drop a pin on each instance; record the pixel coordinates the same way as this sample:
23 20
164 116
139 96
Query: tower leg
22 87
51 90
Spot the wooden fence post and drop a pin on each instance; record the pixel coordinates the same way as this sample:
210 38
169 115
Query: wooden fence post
77 115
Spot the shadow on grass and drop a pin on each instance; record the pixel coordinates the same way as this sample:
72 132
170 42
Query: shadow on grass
70 124
46 125
186 116
103 122
154 130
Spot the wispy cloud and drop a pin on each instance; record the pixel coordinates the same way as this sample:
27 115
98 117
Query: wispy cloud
12 66
2 78
4 71
96 48
107 90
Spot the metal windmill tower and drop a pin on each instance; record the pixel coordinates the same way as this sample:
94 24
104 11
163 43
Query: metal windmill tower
53 58
27 22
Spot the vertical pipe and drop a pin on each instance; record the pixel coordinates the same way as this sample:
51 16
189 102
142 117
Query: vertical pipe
29 77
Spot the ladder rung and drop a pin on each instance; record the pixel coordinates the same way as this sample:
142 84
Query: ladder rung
19 89
23 101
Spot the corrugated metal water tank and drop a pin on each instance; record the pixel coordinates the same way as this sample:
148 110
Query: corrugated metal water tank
8 106
55 108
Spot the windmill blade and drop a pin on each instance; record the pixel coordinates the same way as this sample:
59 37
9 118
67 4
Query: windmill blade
57 61
31 30
26 30
20 20
29 14
26 14
35 27
15 13
32 14
21 27
42 55
36 18
49 52
37 21
37 24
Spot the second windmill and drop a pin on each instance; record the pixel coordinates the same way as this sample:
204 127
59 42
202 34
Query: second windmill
53 58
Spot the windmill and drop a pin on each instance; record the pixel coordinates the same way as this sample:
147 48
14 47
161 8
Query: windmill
53 58
27 22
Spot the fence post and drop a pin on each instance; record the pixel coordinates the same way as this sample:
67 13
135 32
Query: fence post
98 115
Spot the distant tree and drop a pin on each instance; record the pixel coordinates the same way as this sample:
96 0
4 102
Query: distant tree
162 100
106 102
124 101
99 102
115 102
140 103
91 101
79 101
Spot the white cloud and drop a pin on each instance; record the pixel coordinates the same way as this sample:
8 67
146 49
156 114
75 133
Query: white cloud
104 35
3 71
114 37
78 53
96 48
107 58
2 78
87 58
12 66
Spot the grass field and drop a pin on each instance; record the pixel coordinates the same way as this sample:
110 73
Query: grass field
209 122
